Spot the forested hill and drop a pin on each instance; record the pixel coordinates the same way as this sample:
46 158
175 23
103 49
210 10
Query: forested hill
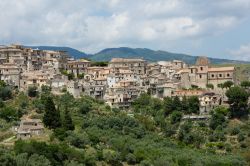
151 55
126 52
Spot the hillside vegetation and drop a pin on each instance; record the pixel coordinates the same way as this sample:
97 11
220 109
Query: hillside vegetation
88 132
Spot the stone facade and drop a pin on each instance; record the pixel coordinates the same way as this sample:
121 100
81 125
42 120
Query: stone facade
77 66
202 74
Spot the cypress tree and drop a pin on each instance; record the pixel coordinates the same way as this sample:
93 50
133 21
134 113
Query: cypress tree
168 105
51 117
68 123
185 104
177 105
194 104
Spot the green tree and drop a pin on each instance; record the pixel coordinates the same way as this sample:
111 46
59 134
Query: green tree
193 104
185 104
34 160
241 137
177 105
84 108
67 100
245 84
194 87
221 86
185 129
175 117
221 110
71 76
9 114
80 76
142 104
217 119
5 92
168 105
68 123
111 157
7 160
51 117
32 91
131 158
46 89
79 140
2 83
38 160
64 72
1 103
210 86
228 84
21 159
238 100
57 154
73 163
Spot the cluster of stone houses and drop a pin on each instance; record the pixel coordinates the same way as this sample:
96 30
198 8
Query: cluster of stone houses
119 83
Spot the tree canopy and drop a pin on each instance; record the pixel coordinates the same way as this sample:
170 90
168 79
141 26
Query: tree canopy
51 117
238 100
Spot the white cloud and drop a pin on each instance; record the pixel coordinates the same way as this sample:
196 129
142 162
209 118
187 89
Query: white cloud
92 25
243 53
169 29
157 8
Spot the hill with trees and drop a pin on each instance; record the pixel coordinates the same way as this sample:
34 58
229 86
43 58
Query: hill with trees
126 52
152 56
86 131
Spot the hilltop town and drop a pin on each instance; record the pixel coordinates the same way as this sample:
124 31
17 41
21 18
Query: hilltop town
118 83
57 110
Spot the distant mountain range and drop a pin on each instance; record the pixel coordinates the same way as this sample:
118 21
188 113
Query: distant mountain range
126 52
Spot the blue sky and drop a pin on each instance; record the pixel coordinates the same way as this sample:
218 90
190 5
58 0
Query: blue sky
216 28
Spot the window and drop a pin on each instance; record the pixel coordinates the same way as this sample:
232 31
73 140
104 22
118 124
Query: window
228 75
201 68
220 75
200 76
212 75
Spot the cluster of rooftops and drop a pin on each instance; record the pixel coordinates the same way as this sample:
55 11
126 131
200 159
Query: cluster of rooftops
118 84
